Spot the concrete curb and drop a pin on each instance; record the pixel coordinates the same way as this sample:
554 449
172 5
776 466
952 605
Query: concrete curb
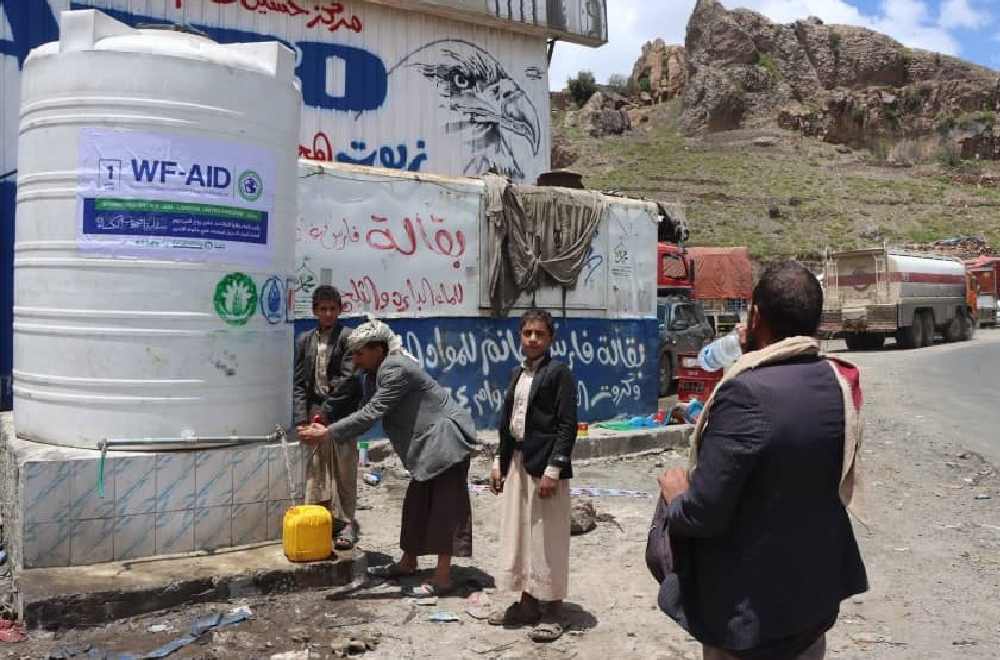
58 598
599 443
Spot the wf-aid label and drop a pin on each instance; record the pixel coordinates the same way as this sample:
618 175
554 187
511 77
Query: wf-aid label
174 197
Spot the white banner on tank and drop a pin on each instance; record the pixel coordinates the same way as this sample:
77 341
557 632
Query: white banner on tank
174 197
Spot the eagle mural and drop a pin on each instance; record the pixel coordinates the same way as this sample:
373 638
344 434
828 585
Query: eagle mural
481 104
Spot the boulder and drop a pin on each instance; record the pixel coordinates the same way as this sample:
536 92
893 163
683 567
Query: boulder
846 84
563 153
665 69
583 517
637 117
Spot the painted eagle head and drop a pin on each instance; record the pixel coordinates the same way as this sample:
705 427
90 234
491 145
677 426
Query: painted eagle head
491 112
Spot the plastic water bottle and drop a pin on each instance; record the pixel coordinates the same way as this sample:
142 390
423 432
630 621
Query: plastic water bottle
721 353
694 409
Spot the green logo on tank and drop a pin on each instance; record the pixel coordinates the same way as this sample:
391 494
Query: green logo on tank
250 186
235 298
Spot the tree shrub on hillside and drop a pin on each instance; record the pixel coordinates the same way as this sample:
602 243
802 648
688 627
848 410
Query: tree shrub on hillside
618 83
582 87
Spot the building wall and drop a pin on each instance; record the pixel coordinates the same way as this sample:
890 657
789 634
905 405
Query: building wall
381 86
413 252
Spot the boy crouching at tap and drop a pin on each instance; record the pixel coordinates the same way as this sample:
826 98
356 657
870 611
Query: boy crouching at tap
531 475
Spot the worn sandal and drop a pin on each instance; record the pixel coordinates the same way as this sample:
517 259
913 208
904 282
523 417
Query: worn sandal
549 629
346 538
389 571
513 616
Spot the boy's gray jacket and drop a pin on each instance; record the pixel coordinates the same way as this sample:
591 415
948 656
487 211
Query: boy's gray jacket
428 430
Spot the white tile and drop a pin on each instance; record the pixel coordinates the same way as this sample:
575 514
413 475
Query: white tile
46 544
175 481
249 523
250 475
92 541
47 491
174 532
135 485
213 527
213 474
87 503
134 536
275 517
278 474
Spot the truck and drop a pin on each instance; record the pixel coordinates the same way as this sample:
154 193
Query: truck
723 283
683 328
720 279
876 293
985 272
674 271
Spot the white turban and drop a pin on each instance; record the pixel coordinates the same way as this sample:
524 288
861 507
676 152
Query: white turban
375 330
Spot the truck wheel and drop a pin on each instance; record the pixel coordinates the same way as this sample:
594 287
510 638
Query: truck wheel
666 374
969 331
854 342
929 330
874 342
955 330
911 336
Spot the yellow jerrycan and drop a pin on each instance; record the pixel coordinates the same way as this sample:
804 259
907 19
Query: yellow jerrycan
307 533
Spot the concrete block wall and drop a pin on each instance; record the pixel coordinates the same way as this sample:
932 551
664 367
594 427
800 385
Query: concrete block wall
154 503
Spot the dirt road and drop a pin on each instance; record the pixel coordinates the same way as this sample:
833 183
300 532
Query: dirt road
932 551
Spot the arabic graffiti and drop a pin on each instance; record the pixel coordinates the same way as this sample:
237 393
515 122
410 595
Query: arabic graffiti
417 233
365 295
474 349
613 361
320 15
393 158
396 158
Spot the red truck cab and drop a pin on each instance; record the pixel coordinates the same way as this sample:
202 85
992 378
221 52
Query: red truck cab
674 271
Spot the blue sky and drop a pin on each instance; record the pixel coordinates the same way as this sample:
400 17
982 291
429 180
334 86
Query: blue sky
969 29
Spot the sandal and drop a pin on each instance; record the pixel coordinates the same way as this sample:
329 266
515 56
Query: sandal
389 571
346 538
549 629
514 616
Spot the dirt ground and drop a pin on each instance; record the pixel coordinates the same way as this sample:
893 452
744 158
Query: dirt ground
932 554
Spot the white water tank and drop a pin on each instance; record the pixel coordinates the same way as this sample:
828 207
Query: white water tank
154 236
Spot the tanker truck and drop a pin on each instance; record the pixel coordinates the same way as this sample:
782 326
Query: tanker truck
875 293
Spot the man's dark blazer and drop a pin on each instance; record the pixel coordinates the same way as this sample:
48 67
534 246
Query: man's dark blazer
767 550
345 387
550 425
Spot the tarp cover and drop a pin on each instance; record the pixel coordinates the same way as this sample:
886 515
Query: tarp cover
536 236
722 272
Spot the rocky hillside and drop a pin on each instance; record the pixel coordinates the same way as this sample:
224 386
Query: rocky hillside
844 84
779 192
661 71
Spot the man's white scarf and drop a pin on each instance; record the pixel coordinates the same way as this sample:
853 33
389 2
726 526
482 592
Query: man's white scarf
375 330
851 486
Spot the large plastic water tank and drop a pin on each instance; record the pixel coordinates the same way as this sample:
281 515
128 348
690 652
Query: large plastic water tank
154 236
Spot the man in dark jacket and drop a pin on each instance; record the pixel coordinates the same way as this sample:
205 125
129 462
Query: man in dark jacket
765 551
325 384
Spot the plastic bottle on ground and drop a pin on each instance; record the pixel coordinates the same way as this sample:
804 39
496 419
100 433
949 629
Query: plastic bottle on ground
721 353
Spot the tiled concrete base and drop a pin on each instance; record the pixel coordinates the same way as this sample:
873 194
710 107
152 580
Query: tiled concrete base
55 598
154 503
